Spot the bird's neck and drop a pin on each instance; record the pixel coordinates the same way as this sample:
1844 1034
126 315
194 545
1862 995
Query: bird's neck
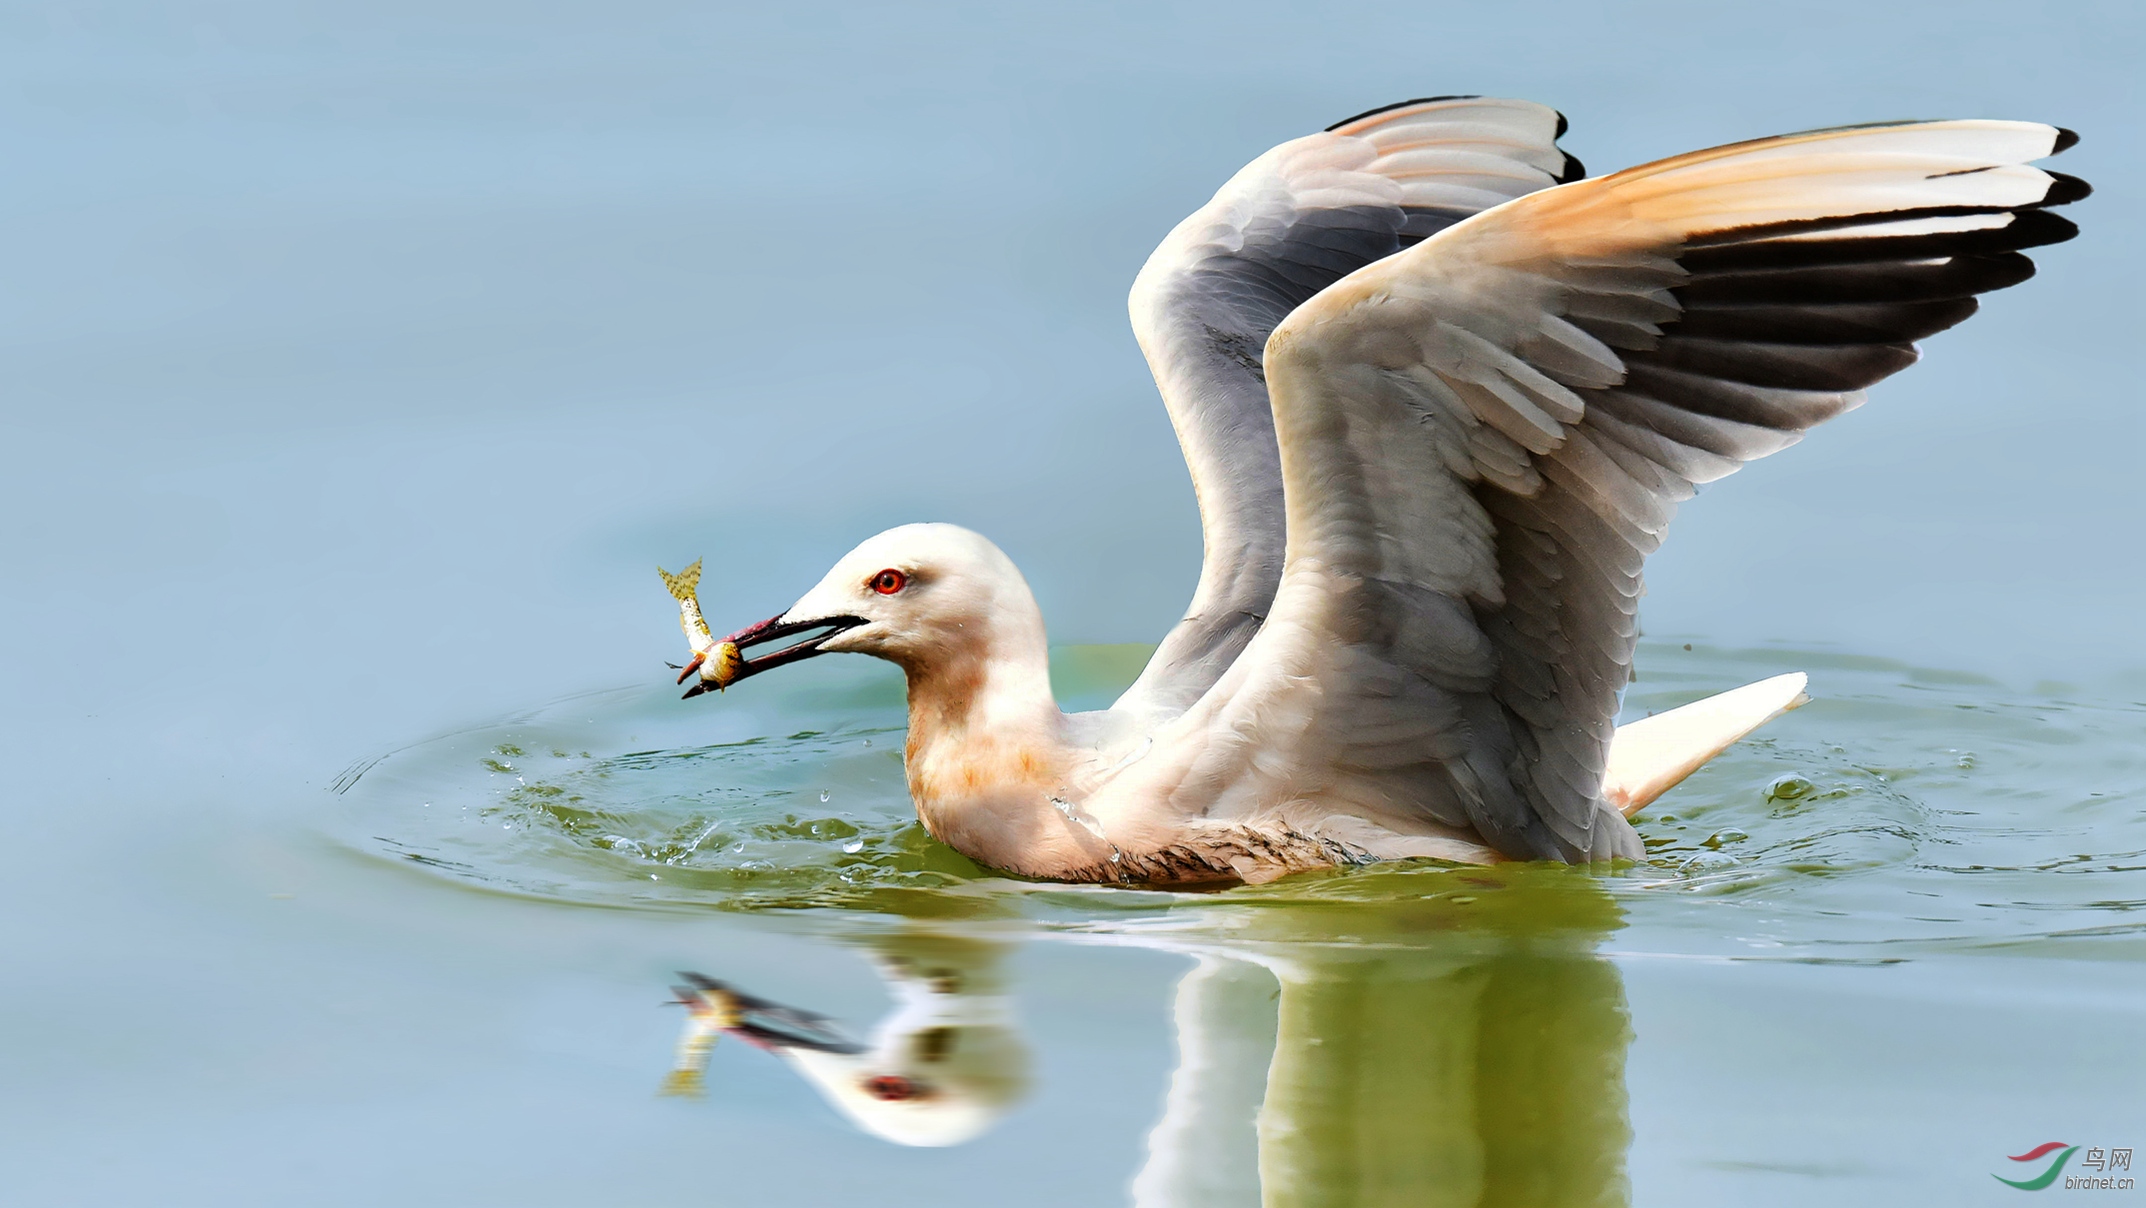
987 753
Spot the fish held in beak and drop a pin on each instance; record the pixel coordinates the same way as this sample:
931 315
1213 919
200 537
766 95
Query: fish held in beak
717 662
685 588
720 664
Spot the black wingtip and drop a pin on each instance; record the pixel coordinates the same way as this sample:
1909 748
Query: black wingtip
2066 140
1562 124
2038 228
1574 169
1420 100
2065 189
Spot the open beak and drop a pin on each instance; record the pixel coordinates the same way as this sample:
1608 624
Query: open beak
771 630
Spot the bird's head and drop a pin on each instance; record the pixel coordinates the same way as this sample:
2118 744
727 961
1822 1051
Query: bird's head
921 596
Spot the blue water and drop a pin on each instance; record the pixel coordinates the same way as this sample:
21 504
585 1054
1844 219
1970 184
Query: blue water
360 363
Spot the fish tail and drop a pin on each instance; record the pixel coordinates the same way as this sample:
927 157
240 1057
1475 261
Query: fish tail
684 1083
685 583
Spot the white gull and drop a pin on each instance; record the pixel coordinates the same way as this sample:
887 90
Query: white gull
1440 398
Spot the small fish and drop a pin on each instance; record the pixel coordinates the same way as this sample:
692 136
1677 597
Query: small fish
710 1011
717 662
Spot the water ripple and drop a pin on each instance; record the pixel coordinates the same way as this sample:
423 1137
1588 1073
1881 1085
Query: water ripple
1903 810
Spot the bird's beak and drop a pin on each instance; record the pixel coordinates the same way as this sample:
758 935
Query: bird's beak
775 629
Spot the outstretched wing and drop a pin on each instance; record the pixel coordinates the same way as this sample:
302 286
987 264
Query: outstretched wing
1484 436
1294 221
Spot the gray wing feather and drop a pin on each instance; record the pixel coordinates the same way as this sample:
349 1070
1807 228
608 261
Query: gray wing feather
1293 222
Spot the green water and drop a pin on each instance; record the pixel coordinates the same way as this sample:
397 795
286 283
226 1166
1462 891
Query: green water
1887 931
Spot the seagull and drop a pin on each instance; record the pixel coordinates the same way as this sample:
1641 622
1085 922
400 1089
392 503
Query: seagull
1440 395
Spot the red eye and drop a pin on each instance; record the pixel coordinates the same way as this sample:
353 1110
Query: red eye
889 581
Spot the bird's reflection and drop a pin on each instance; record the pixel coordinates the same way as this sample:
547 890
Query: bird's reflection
940 1069
1461 1047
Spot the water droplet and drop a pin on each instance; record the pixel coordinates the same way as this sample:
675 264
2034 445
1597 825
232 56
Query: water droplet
1789 788
1727 834
824 796
853 846
868 742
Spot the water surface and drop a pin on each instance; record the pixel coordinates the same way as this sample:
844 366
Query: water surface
1929 858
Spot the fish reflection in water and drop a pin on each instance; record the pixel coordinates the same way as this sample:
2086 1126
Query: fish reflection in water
940 1069
1462 1048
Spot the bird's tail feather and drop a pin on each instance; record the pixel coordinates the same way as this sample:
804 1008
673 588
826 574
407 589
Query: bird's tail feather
1649 757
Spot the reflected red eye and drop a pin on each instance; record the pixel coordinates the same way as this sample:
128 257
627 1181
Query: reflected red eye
889 581
892 1088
